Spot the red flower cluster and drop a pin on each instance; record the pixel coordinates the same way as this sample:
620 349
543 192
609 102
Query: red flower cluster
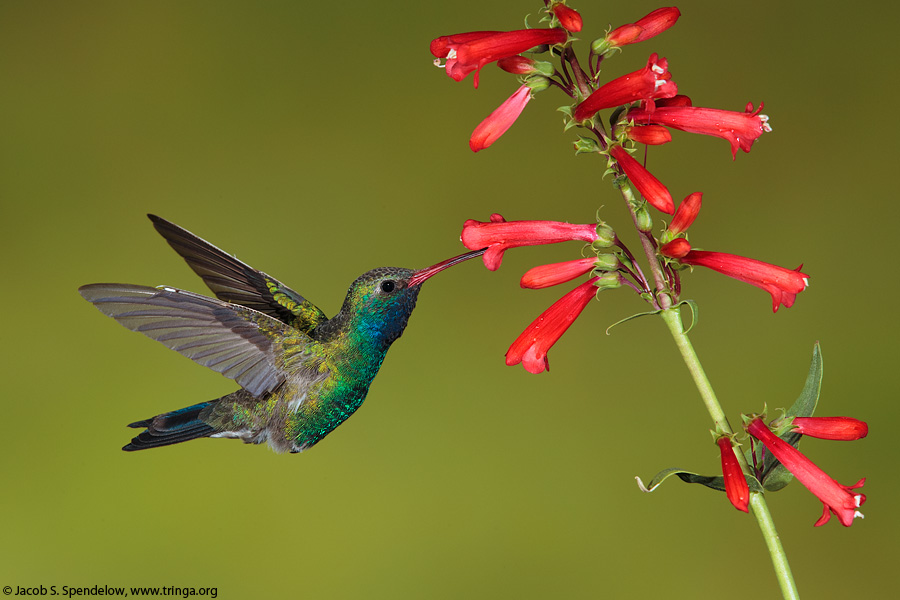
837 499
498 235
782 284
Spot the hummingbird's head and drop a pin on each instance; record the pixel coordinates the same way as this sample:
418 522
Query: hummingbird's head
379 302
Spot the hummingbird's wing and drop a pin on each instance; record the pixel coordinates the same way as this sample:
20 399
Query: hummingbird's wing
238 342
236 282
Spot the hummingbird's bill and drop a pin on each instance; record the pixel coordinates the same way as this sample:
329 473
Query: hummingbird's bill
423 274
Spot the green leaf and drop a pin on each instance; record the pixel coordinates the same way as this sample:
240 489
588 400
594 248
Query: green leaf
806 402
774 475
715 483
695 313
643 314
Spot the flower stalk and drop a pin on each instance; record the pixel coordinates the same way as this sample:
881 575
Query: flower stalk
759 508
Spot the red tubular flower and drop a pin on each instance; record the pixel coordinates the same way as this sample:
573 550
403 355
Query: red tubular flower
652 135
837 498
467 52
831 428
645 28
532 346
568 17
686 213
653 81
496 124
783 284
740 129
549 275
498 235
736 487
649 186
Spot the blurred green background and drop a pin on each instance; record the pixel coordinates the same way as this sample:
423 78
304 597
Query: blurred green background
316 141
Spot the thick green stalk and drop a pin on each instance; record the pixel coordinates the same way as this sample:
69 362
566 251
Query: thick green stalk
672 318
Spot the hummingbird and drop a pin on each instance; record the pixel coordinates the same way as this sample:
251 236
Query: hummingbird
300 373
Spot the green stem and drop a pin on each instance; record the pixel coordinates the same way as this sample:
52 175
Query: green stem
672 318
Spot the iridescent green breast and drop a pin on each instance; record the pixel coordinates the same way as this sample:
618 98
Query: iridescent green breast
354 344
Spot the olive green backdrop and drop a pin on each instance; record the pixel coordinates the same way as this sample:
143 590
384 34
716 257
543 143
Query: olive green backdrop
316 141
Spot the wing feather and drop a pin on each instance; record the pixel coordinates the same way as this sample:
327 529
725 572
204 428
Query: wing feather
236 282
236 341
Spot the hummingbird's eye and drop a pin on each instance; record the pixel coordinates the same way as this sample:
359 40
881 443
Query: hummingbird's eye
387 286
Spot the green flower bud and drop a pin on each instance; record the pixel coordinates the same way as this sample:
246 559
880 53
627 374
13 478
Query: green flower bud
608 281
606 237
544 68
644 221
537 83
607 262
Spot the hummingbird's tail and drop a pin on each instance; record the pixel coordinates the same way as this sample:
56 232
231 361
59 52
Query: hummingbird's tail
172 428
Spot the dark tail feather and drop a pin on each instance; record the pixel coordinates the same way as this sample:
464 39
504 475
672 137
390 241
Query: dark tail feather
171 428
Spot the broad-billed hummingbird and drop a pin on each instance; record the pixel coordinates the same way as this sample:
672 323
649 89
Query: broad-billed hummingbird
301 373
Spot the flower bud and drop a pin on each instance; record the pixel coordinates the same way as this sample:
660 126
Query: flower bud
736 487
537 83
643 218
677 248
608 281
517 65
607 262
651 135
645 28
521 65
568 17
686 213
606 237
831 428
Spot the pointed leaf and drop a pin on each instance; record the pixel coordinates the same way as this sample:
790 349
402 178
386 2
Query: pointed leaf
775 476
643 314
715 483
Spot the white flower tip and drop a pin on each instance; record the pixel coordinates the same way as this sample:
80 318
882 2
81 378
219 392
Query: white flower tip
857 498
657 69
859 514
437 63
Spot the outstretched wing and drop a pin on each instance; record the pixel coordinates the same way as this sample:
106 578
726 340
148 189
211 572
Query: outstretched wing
240 343
238 283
